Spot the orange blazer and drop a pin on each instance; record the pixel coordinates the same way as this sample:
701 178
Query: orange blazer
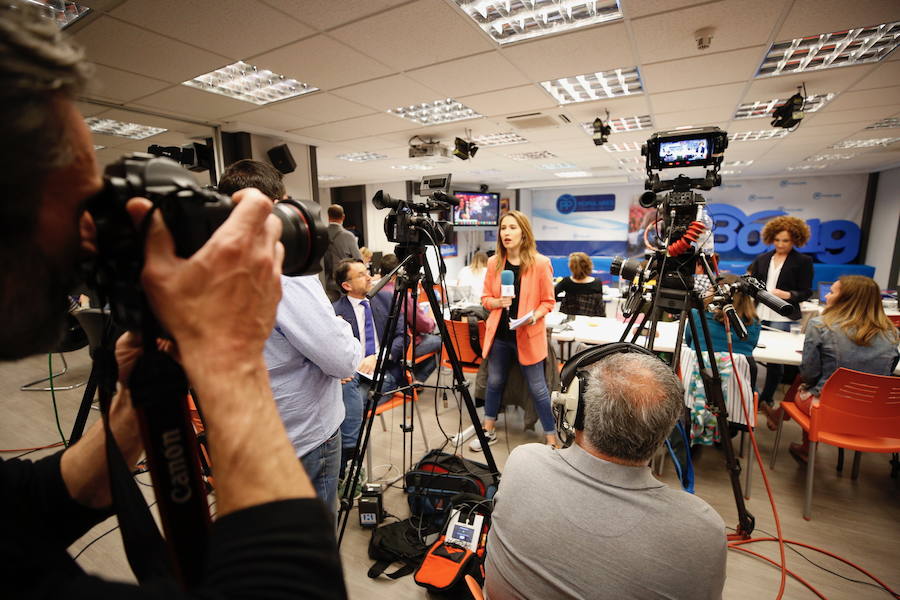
535 291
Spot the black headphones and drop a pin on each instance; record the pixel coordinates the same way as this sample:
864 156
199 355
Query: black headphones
568 403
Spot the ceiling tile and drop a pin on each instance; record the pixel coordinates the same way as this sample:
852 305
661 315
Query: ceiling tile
599 48
414 35
322 62
271 119
736 24
472 75
121 45
120 86
322 108
889 96
128 116
809 17
883 75
706 97
826 116
87 109
388 92
623 106
512 101
826 81
701 117
326 14
189 101
638 8
702 71
234 28
350 129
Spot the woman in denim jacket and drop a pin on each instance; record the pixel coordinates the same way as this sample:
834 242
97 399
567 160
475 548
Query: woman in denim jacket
853 332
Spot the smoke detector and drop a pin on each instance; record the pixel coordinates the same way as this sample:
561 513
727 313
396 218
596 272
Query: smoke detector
704 37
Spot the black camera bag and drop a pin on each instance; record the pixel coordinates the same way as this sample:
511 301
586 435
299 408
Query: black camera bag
438 477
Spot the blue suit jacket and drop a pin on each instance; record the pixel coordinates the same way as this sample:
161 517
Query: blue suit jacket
380 312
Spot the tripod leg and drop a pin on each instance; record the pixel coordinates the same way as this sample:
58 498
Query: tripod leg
86 400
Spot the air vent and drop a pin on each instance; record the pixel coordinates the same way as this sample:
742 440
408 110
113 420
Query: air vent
537 120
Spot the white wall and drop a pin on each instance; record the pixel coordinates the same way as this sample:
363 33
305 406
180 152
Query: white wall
373 219
299 184
883 233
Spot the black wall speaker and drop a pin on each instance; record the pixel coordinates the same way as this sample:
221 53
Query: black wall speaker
235 147
282 159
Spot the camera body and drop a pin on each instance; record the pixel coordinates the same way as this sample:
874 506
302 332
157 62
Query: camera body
409 223
191 214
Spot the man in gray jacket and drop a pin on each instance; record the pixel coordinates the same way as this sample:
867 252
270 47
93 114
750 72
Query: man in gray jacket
341 245
590 521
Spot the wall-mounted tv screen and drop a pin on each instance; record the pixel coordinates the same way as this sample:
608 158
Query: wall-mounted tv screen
476 209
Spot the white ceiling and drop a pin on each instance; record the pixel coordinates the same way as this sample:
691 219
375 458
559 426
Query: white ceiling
367 56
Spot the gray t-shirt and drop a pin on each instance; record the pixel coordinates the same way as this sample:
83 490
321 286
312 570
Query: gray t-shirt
569 525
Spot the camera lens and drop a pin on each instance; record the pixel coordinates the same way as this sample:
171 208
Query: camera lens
626 268
303 235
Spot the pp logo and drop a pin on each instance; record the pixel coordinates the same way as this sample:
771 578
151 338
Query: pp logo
820 195
787 182
566 204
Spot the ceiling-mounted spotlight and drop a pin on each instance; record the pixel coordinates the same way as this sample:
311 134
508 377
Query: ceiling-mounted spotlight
601 130
789 114
464 150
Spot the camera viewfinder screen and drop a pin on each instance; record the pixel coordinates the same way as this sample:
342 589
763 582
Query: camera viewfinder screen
476 209
684 152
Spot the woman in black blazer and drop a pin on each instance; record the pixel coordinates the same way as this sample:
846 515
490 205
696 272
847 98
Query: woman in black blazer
788 275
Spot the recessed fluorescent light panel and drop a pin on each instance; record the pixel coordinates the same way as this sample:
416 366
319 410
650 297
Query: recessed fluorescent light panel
828 50
250 84
556 166
731 172
573 174
865 143
98 147
764 108
509 21
531 155
885 123
631 160
330 177
499 139
738 163
416 167
361 156
753 136
486 172
132 131
623 147
595 86
806 167
821 157
63 13
432 113
623 124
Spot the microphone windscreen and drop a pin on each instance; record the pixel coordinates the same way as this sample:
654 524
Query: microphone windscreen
507 283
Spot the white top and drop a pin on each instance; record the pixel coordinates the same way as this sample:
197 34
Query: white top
474 281
360 312
764 312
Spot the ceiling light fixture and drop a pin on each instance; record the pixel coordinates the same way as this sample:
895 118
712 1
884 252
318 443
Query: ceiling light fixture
623 147
753 136
623 124
556 166
835 156
573 174
132 131
98 147
416 167
250 84
829 50
499 139
432 113
531 155
888 123
464 150
731 172
738 163
764 108
330 177
509 21
865 143
61 12
600 131
806 167
361 156
595 86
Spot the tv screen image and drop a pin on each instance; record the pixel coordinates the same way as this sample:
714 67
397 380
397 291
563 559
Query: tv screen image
476 209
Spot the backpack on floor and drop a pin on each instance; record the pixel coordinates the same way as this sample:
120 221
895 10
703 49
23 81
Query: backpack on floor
439 476
401 542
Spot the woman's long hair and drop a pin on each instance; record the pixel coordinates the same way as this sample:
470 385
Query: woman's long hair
527 247
858 311
743 304
479 261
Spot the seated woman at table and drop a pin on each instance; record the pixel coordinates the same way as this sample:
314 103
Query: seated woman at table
746 311
472 276
853 332
580 294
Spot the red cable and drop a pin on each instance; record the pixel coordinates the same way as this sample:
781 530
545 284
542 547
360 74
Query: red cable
767 559
57 444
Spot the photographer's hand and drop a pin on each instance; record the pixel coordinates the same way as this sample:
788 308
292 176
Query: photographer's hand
220 305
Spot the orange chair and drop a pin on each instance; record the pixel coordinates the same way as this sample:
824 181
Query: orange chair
857 411
438 290
895 319
469 358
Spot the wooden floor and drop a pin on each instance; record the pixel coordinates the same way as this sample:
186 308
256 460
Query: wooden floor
858 520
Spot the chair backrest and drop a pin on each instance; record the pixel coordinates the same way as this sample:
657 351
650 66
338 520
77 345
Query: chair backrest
857 403
731 386
459 338
895 319
591 305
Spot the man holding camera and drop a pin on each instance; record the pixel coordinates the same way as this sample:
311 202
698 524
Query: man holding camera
590 521
304 373
271 538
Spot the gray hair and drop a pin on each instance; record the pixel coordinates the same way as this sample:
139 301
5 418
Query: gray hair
630 405
37 68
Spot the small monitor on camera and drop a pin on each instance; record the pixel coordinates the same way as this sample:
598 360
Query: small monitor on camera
676 149
434 183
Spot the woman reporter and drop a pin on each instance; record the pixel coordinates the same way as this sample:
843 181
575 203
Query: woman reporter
787 275
533 281
853 332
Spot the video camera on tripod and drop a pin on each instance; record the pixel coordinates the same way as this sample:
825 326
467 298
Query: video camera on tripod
409 223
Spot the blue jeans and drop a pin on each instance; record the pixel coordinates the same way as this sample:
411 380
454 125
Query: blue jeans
430 343
774 372
500 358
354 394
322 465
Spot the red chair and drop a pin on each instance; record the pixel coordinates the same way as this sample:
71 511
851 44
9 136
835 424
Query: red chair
895 319
460 337
857 411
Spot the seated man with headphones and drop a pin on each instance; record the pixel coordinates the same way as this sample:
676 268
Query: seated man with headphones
590 520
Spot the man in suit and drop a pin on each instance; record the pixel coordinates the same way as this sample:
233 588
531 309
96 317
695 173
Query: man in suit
342 244
369 320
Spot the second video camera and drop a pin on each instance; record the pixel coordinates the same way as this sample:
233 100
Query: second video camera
409 223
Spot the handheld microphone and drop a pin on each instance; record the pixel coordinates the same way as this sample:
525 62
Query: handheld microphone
507 284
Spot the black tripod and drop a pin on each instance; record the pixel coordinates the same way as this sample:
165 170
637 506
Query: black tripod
412 269
675 294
